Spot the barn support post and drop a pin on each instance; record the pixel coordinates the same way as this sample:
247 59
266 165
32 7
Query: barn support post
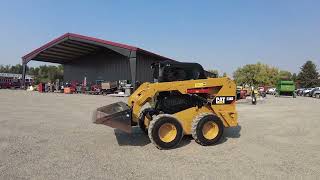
24 69
133 68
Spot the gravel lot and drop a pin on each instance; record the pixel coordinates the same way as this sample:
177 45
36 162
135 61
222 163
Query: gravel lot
50 136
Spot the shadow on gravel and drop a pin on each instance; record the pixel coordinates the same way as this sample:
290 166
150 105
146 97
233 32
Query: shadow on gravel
139 138
185 141
232 132
136 138
289 97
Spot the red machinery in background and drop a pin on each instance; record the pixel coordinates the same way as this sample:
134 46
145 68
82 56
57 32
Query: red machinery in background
13 81
70 88
41 87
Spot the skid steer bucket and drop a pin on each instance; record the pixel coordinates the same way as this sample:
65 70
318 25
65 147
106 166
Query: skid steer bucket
116 115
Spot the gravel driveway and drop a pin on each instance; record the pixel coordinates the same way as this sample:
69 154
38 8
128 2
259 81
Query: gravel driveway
50 136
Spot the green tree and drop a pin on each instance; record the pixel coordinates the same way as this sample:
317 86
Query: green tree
42 73
294 77
259 74
251 74
16 69
214 72
224 74
308 75
46 73
272 75
285 75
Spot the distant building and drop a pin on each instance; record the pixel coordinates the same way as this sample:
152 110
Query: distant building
15 76
10 80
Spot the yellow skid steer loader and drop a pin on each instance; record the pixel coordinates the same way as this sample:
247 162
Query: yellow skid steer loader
182 101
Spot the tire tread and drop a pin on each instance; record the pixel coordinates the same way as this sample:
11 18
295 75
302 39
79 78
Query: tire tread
194 127
151 126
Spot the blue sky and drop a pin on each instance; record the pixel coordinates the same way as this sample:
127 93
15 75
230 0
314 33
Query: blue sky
219 35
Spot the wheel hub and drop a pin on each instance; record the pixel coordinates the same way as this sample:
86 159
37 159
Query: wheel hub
210 130
167 132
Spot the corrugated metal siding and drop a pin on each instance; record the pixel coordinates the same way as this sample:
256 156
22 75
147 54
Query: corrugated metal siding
104 65
144 71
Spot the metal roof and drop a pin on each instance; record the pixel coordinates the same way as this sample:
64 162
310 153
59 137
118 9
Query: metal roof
72 46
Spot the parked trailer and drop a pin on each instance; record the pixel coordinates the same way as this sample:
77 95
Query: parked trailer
13 81
109 87
285 88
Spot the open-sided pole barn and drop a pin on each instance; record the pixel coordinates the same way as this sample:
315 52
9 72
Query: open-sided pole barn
95 59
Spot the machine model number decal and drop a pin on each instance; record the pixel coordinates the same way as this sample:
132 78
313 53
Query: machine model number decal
198 85
223 100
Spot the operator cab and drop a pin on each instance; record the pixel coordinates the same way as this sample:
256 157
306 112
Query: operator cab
168 71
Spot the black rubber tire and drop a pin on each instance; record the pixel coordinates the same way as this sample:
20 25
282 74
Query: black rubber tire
197 125
154 126
141 118
141 123
254 100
